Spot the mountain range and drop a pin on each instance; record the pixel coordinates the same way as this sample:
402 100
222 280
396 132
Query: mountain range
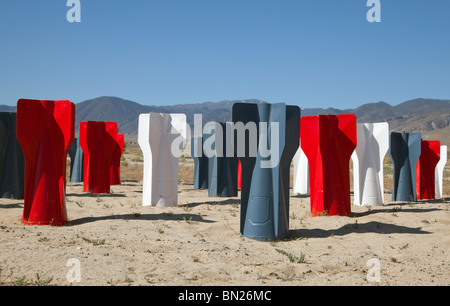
429 116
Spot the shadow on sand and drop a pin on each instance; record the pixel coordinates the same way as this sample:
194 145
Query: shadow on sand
359 228
143 217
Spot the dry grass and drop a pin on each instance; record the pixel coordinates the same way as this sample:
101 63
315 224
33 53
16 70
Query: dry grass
446 184
132 165
186 171
132 169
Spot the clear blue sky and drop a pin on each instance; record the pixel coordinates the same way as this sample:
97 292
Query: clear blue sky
311 53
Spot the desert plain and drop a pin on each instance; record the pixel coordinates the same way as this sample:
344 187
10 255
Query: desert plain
114 241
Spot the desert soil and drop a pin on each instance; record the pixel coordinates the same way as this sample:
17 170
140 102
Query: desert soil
117 241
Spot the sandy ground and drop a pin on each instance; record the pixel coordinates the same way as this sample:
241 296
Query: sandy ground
116 241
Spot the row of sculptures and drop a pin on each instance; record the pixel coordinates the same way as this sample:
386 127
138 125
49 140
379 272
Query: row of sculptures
320 146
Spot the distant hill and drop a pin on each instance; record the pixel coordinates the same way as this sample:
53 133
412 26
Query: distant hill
443 135
422 106
126 113
382 111
421 122
429 116
7 109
